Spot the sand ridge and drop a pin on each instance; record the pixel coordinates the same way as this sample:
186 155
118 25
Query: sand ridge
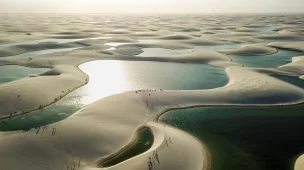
250 50
245 88
106 129
297 46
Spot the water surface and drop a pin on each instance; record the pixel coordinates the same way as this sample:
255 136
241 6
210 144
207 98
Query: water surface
280 58
162 52
295 80
245 138
112 77
10 73
41 52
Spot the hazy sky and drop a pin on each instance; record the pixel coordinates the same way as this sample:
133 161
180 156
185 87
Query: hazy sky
149 6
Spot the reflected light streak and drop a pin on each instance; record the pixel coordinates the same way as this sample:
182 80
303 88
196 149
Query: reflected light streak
106 78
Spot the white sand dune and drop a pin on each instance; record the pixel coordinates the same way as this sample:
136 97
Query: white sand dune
283 35
247 39
169 144
299 163
18 97
198 56
106 129
22 96
185 42
108 125
297 46
295 68
250 50
296 65
24 48
158 44
69 77
19 39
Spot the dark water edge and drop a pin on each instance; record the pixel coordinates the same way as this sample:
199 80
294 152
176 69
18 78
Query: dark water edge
292 80
142 144
137 75
10 73
245 138
42 117
267 61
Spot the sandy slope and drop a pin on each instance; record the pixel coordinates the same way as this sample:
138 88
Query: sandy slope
250 50
297 46
105 129
26 95
169 144
299 164
108 125
295 68
22 96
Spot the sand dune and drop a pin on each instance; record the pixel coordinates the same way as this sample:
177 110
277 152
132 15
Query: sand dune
246 39
23 48
251 50
299 164
70 78
22 96
169 146
297 46
109 128
295 68
285 35
108 125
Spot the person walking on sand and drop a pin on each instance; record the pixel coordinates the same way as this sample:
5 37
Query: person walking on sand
156 155
43 129
150 166
153 161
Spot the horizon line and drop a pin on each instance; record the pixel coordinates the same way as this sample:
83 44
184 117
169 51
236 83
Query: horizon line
298 12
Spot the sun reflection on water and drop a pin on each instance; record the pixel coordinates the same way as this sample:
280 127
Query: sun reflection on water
106 78
109 77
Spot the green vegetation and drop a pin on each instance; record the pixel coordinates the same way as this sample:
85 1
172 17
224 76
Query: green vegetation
142 144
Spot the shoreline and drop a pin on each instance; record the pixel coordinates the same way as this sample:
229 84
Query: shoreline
185 107
70 91
207 153
122 150
156 119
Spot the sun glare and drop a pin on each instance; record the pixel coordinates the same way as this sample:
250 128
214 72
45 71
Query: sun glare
106 78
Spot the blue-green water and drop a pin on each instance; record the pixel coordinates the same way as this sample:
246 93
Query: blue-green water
40 41
13 72
42 52
112 77
245 138
267 30
54 40
217 47
267 61
270 40
295 80
161 52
